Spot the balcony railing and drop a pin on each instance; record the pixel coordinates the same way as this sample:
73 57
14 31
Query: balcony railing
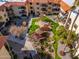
22 7
43 9
44 5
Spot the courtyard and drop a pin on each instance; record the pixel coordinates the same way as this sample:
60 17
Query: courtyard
50 38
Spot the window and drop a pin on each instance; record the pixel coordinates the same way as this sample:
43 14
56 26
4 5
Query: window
1 17
56 5
49 7
4 15
37 7
69 21
7 19
25 57
37 11
55 9
50 3
31 7
75 26
37 3
43 9
22 11
44 5
30 3
22 7
2 10
23 15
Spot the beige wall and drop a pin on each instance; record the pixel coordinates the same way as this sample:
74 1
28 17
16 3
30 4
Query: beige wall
34 5
73 15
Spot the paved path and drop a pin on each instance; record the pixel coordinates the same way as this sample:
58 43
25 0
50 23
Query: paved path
29 46
61 47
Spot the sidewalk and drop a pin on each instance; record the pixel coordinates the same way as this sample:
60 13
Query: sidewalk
61 47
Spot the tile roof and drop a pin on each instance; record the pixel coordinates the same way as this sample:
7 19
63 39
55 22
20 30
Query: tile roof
43 1
7 4
64 6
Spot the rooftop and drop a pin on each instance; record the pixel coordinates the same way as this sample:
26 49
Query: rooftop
43 1
8 4
2 41
64 6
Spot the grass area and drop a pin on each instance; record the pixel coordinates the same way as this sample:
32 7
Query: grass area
55 45
54 26
53 23
33 26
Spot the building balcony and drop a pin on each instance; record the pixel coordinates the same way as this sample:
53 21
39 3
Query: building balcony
22 12
44 5
22 7
55 9
58 5
43 9
24 15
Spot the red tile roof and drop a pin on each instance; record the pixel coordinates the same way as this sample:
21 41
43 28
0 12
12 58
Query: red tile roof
64 6
14 4
2 41
43 1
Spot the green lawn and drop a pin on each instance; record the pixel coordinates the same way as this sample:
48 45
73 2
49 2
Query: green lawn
55 45
53 23
33 26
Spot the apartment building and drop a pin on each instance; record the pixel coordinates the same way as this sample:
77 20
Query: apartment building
73 16
16 10
47 7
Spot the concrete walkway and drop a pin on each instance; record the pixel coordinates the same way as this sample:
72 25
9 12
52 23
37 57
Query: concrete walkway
61 47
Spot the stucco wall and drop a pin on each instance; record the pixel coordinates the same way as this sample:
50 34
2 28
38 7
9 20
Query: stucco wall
73 15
